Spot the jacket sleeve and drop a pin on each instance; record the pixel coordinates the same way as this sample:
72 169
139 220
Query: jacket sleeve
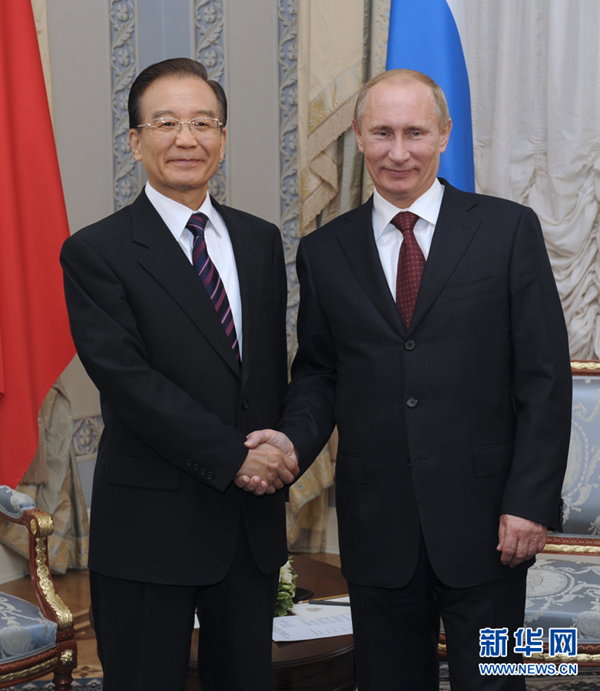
542 381
308 418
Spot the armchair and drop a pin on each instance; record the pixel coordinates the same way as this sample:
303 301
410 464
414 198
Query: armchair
566 592
34 642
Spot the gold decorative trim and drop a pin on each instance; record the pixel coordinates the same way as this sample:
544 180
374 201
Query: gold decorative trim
30 671
587 365
33 527
63 613
44 522
571 549
67 657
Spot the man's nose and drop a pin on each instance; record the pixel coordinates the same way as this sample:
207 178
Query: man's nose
185 137
399 150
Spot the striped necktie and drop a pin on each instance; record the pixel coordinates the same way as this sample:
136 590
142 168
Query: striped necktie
411 263
211 279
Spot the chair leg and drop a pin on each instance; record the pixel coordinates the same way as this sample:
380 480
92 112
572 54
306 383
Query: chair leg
63 676
63 680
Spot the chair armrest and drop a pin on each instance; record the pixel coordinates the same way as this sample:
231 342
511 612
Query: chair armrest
20 508
558 543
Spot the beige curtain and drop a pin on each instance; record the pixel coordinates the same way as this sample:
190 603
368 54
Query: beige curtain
308 507
331 69
60 494
341 43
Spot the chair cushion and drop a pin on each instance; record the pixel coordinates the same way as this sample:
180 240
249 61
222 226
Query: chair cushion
581 488
23 629
14 503
564 594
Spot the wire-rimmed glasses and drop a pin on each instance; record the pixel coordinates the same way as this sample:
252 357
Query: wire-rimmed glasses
201 127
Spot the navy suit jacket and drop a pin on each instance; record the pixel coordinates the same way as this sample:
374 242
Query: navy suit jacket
176 404
447 425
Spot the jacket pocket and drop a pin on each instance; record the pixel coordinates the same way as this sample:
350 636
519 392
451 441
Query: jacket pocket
491 460
141 471
466 289
351 469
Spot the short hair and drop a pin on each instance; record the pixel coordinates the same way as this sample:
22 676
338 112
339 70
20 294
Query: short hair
174 67
402 75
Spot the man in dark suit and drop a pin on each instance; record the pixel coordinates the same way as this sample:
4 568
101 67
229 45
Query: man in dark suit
435 340
177 308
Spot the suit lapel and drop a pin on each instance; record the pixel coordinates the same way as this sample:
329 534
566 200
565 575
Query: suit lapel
454 231
165 261
250 264
358 243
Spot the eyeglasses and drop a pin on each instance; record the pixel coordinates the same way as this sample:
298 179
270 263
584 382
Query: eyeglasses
169 127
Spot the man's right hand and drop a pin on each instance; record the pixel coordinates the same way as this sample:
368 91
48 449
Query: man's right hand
267 468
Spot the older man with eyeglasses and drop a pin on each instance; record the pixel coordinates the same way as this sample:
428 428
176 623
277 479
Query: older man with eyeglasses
177 308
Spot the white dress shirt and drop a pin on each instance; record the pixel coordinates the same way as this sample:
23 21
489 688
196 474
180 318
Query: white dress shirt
218 245
389 239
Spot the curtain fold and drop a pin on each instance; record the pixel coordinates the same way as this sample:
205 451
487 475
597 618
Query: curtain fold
331 65
534 72
61 496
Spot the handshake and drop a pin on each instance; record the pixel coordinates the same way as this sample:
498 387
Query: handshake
271 463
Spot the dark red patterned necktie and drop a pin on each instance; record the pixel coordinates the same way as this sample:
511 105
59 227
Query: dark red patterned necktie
211 279
411 263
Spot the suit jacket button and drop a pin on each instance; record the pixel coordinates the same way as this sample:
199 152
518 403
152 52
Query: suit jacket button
411 402
245 404
410 345
203 471
188 463
209 476
196 466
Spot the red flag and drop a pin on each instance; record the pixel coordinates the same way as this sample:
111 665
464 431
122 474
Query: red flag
35 343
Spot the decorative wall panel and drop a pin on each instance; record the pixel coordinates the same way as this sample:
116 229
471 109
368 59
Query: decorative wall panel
124 60
288 132
210 51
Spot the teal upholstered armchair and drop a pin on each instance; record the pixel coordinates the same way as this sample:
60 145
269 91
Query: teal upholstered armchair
34 642
565 594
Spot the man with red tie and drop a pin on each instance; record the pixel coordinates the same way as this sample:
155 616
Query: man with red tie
431 333
177 308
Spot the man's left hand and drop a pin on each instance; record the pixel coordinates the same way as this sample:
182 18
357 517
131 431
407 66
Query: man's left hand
519 539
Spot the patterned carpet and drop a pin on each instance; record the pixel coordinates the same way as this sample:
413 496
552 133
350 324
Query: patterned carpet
584 681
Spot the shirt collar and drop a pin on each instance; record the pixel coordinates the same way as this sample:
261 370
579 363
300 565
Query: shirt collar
427 207
176 215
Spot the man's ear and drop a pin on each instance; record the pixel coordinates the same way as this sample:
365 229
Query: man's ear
223 140
358 135
445 136
134 141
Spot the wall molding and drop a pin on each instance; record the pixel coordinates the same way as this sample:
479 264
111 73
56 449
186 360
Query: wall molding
124 59
288 138
210 51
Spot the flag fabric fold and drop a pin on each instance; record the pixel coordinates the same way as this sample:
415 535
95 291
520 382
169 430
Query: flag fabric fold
426 36
35 343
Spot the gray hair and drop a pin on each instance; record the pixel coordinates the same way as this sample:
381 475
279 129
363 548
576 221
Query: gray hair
404 76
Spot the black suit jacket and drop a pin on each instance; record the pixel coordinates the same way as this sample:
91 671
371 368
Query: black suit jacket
176 404
445 426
